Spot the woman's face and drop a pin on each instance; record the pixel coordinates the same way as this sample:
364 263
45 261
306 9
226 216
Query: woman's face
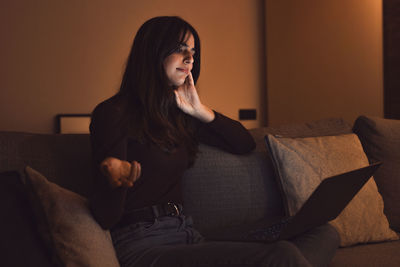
178 65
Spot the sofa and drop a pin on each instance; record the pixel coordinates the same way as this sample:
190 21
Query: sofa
43 204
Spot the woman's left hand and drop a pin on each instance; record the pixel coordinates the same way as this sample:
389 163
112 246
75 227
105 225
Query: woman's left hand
189 102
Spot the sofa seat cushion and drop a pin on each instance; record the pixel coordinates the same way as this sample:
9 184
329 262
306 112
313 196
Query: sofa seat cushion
368 255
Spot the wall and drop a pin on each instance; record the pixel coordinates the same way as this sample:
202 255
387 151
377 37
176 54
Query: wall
324 59
67 56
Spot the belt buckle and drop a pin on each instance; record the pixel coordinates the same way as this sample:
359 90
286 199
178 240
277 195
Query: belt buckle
175 207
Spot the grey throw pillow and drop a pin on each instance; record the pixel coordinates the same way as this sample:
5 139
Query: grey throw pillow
381 141
67 225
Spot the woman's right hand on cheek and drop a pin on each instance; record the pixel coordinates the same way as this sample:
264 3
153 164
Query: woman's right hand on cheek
120 173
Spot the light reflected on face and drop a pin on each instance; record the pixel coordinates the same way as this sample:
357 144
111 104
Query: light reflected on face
179 64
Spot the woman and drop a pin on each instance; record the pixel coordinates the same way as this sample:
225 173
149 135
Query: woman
145 137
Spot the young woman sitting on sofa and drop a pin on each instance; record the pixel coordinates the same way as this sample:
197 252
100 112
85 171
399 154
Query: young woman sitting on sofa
145 137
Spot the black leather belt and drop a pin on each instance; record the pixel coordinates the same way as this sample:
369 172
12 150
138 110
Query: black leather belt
149 214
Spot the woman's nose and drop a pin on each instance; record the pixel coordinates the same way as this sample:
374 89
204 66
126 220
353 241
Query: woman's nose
188 59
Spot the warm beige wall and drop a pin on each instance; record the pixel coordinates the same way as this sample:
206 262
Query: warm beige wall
66 56
324 59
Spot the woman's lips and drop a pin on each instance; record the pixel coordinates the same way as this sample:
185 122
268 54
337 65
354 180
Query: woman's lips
186 71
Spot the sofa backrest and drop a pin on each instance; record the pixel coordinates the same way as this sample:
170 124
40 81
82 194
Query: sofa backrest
63 158
221 189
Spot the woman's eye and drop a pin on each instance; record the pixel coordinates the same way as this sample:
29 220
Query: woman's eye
181 49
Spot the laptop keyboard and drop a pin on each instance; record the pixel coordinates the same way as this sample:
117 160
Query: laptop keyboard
270 233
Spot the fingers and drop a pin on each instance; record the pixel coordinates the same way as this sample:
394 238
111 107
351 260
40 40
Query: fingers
136 171
187 84
133 174
190 79
120 173
106 167
115 183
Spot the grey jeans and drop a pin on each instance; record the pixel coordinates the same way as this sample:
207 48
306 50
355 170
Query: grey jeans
172 241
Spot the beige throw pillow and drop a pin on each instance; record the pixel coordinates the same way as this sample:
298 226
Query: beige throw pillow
302 163
66 224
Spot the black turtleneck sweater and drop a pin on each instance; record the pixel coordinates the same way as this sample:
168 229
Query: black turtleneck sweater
160 180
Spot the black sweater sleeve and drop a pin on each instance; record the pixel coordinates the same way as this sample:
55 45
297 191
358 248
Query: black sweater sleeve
107 140
227 134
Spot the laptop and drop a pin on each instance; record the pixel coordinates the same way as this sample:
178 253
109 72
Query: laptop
325 204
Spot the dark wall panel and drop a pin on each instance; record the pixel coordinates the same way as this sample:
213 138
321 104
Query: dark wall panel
391 48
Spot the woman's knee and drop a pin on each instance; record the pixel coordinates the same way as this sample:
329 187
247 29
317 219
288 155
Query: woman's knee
286 253
330 233
319 245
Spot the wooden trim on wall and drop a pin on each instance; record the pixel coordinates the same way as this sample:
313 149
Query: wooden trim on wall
391 58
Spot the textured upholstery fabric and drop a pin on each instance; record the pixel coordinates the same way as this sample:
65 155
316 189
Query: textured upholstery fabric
224 189
325 127
218 192
371 255
20 242
302 163
381 141
62 158
66 224
65 160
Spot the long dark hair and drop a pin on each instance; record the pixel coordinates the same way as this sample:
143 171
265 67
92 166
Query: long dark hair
150 107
